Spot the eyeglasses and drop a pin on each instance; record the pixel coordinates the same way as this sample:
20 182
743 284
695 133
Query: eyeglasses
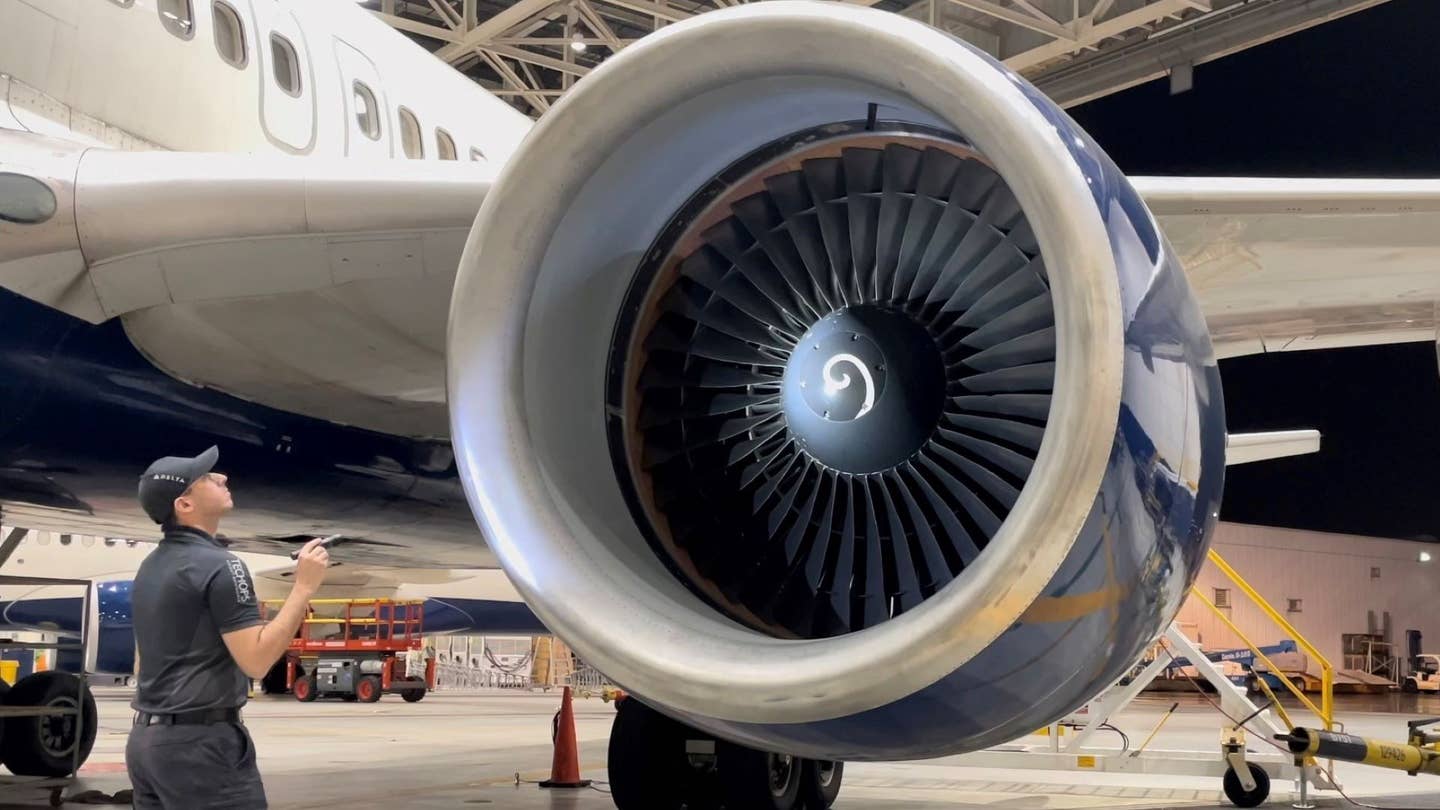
210 476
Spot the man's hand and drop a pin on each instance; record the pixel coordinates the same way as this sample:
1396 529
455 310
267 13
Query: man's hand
256 649
311 565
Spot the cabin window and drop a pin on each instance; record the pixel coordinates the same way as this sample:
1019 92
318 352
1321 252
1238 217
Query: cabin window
1294 605
229 35
178 17
1222 597
410 135
287 64
444 145
476 154
367 113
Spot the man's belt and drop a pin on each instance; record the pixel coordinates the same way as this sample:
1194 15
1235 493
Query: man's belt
203 717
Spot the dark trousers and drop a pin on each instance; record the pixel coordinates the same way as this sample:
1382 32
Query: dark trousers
181 767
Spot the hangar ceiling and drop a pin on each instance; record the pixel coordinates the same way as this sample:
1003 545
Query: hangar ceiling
532 51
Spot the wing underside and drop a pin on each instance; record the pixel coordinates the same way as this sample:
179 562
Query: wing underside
1284 265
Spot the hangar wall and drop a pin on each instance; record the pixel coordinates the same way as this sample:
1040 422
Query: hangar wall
1340 581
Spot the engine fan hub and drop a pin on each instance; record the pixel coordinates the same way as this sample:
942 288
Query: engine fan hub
864 389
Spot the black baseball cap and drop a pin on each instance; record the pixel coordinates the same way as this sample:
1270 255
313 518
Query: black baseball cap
163 482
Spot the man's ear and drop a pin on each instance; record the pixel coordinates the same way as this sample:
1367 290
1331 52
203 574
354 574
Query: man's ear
175 504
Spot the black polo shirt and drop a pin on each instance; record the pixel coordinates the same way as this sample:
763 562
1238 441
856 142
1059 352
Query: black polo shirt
187 593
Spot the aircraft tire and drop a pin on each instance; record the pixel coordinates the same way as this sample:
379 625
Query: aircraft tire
820 784
45 746
649 769
758 780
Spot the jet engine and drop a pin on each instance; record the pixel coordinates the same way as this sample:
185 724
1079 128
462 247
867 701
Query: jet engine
821 382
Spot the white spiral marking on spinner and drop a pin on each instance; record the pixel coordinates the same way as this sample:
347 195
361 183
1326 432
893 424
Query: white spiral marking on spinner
834 384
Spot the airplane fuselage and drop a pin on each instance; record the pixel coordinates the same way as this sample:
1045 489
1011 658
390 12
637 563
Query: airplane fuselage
127 67
82 409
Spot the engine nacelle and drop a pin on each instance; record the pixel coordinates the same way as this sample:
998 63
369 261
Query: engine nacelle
821 382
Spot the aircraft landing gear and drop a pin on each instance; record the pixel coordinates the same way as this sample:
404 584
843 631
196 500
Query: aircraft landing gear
657 763
820 783
44 743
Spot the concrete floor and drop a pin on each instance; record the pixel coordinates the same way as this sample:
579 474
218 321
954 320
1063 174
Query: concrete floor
456 750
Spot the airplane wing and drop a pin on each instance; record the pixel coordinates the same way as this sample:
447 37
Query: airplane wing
1283 265
322 284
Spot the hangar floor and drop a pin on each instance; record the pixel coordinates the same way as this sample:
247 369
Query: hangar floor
457 750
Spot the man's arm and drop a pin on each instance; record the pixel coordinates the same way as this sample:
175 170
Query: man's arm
257 647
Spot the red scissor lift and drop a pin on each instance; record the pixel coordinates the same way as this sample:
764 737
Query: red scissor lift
355 649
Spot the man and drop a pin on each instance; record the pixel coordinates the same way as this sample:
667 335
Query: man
200 638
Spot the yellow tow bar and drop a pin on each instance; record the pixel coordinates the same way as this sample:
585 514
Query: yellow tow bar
1417 755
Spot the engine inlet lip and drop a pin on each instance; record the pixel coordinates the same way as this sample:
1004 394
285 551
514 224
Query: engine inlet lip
710 667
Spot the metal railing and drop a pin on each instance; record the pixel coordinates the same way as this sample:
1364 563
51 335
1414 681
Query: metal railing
481 669
1326 710
456 677
587 681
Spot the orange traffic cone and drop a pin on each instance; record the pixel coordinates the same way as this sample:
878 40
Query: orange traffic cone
565 770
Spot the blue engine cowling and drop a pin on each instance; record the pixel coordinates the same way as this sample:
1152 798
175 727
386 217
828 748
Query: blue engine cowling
668 253
111 645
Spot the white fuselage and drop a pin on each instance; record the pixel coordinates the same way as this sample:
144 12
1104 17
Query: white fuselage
101 70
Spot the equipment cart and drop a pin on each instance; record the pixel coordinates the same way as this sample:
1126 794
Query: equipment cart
47 719
358 650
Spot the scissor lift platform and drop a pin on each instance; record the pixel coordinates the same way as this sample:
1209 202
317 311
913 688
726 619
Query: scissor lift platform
357 650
